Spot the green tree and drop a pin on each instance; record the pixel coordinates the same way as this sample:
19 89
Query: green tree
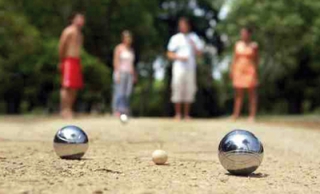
18 40
33 27
29 57
288 34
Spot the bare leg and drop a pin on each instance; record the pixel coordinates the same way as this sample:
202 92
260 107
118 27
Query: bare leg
237 103
68 97
187 111
73 98
63 102
252 104
177 107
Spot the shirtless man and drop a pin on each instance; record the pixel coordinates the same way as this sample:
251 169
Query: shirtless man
69 52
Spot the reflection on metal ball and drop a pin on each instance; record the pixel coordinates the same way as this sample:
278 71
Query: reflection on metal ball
240 152
70 142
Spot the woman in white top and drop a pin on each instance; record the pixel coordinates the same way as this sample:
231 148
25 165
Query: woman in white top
124 73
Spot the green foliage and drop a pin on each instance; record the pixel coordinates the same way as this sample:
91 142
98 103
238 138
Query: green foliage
48 16
288 35
18 40
97 78
148 99
29 59
45 78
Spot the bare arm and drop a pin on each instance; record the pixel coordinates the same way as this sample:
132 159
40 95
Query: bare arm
195 48
63 44
256 48
173 56
116 55
234 60
196 45
198 52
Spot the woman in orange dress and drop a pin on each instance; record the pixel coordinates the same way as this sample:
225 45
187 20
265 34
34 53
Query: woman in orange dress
244 73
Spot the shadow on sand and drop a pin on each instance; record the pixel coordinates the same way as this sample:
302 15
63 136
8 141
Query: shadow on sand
253 175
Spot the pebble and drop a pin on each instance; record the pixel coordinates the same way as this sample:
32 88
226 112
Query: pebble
224 179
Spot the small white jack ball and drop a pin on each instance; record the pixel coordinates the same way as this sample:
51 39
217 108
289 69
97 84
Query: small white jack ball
124 118
159 157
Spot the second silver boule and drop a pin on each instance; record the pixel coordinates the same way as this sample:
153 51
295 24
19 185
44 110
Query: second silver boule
70 142
240 152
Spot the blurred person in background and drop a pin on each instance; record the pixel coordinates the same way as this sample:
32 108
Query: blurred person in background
69 52
124 74
183 49
244 73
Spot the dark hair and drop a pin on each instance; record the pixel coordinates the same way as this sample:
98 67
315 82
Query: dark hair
74 14
248 29
185 19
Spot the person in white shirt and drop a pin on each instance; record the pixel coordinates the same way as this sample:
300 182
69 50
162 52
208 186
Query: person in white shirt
183 49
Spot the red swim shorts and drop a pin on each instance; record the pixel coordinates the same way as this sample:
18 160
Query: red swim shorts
71 73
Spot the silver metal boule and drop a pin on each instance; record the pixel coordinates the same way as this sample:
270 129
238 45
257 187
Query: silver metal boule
70 142
240 152
124 118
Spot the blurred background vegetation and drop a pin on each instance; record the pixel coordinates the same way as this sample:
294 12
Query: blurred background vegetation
288 35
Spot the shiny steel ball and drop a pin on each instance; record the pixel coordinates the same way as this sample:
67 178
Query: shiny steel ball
124 118
70 142
240 152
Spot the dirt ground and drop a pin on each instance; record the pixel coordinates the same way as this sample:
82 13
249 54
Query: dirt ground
118 159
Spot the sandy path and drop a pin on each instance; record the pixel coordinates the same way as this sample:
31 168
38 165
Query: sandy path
118 159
